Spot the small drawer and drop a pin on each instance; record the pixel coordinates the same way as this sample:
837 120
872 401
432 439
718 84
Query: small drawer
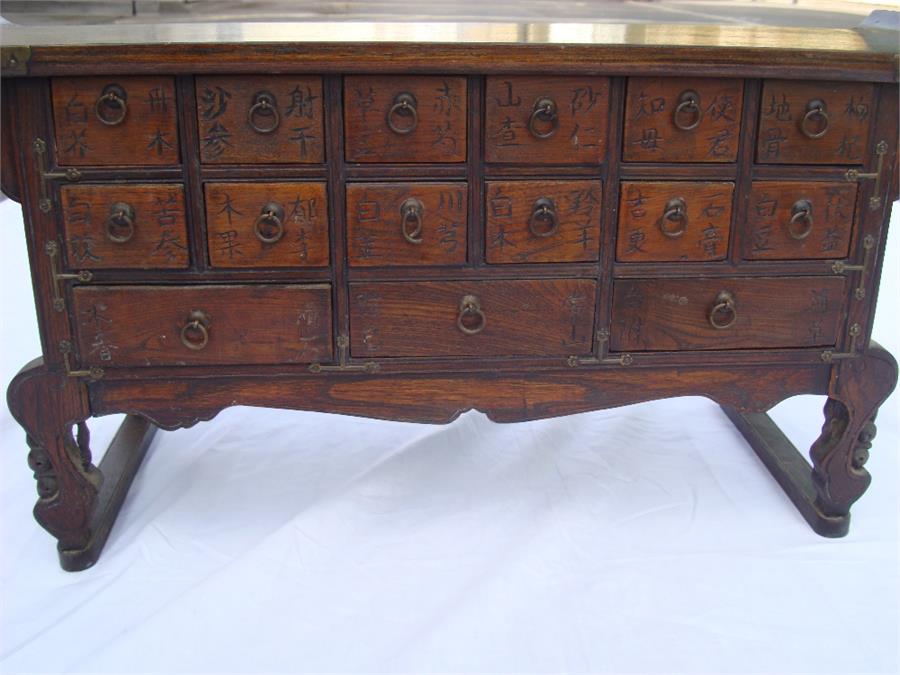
124 226
799 220
673 221
728 313
406 223
546 119
546 317
677 119
405 119
202 325
543 221
260 119
267 224
123 121
814 122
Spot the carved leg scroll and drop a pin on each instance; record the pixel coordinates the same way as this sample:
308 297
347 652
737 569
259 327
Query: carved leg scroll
77 501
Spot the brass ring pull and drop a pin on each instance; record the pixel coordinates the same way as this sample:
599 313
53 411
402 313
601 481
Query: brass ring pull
723 313
676 214
471 319
545 112
543 212
111 108
120 223
269 224
815 117
195 333
801 222
404 106
264 105
688 104
411 211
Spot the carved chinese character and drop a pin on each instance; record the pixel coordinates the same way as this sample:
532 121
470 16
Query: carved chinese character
583 99
216 140
780 110
848 147
506 135
76 111
301 138
719 144
501 238
646 106
649 140
228 207
858 109
169 244
215 102
158 100
721 108
510 101
229 245
301 104
501 205
636 238
448 236
446 101
709 242
165 212
82 249
772 143
159 143
635 200
78 143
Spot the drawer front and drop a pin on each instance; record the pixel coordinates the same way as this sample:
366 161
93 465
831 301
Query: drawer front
260 119
682 119
814 122
405 119
475 318
407 223
543 221
672 221
127 121
202 325
124 226
267 224
754 313
546 120
797 220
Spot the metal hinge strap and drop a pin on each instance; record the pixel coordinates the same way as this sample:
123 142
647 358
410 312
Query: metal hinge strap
343 343
94 372
71 174
84 276
854 175
602 357
840 267
828 355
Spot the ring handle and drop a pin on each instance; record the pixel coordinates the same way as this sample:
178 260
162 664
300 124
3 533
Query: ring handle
801 223
688 104
469 311
404 106
269 224
543 211
195 333
120 223
724 305
411 211
111 108
815 116
544 112
264 105
675 213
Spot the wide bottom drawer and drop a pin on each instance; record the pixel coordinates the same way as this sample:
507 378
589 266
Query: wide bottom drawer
729 313
203 325
534 317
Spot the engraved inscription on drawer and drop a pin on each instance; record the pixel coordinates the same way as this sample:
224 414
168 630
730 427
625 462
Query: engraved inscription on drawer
795 220
128 121
406 223
267 224
814 122
260 119
682 119
546 119
729 313
673 221
202 325
531 221
472 318
124 225
405 118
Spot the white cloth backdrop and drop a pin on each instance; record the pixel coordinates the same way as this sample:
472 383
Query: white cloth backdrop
647 539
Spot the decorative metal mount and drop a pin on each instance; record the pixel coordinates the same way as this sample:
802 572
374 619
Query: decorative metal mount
94 372
602 358
854 175
71 174
828 355
14 60
840 267
84 276
343 343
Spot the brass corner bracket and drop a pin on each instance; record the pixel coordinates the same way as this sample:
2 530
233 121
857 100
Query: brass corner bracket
602 357
854 175
71 174
343 364
15 60
94 372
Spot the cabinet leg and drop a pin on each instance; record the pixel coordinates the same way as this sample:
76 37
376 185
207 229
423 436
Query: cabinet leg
77 501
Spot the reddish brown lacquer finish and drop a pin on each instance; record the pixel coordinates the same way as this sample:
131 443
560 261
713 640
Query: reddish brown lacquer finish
754 313
153 325
124 226
814 122
546 120
542 221
260 119
405 118
799 219
262 224
406 223
670 221
115 120
509 317
678 119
